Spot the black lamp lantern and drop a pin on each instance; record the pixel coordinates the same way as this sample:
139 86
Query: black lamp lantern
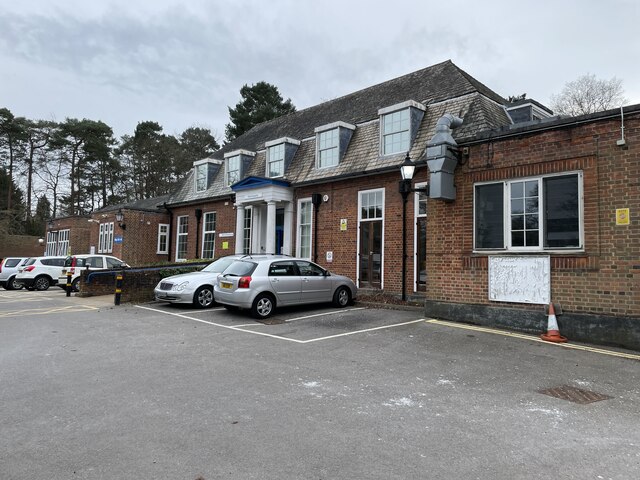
120 219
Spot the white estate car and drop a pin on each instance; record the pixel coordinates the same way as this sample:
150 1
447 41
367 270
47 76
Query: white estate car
40 272
194 287
77 263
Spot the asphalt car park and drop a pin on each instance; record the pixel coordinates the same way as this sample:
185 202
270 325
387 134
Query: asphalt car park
93 391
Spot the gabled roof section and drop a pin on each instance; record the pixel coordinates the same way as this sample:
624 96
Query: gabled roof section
257 182
430 85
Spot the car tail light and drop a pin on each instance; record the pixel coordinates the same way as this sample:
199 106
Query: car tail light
29 268
244 282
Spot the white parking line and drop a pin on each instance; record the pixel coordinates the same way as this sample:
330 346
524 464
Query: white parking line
323 314
237 329
278 337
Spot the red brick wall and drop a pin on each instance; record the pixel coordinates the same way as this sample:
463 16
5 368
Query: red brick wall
225 223
343 203
79 232
605 279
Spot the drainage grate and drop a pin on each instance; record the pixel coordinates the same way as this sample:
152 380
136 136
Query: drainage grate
573 394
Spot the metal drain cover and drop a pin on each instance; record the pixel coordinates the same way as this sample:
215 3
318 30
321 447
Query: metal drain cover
574 394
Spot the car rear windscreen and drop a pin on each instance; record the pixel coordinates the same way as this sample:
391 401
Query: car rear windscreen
240 268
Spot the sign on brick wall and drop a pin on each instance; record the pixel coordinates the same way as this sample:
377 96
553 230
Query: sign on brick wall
521 279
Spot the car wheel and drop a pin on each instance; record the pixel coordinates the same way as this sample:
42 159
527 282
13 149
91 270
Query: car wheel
75 285
263 306
42 283
13 285
203 298
342 297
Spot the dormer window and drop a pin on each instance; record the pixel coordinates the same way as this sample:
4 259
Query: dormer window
279 155
204 171
399 126
331 143
233 170
201 177
328 148
236 163
275 161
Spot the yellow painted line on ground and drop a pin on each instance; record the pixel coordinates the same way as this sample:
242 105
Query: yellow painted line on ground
532 338
48 311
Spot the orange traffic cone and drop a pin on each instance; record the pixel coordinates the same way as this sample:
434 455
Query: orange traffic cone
553 332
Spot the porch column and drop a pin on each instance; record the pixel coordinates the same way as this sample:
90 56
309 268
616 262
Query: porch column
239 229
287 234
270 244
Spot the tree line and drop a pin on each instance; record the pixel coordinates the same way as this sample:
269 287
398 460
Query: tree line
76 166
51 169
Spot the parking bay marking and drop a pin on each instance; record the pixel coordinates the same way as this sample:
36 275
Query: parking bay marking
278 337
46 311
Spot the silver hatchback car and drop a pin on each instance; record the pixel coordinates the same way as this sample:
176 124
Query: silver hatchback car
263 282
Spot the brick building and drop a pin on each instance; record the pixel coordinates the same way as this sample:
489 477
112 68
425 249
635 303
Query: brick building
522 208
136 232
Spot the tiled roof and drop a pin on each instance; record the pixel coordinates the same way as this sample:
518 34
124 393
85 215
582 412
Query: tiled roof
148 205
442 88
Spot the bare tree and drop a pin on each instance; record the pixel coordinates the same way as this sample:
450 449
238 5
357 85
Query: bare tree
587 94
53 172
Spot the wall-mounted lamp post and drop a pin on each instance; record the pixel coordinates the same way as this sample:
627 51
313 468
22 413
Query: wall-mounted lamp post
407 169
120 219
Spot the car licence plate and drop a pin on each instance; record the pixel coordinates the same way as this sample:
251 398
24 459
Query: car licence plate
226 284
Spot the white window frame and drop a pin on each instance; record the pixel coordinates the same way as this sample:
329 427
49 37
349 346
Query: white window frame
272 150
301 202
228 171
163 233
419 197
206 232
506 197
247 223
335 133
63 242
384 134
182 237
360 220
200 177
52 243
105 238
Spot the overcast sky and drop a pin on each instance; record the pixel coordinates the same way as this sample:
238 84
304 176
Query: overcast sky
182 63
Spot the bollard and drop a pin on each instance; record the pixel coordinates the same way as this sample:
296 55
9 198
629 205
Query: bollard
68 283
118 288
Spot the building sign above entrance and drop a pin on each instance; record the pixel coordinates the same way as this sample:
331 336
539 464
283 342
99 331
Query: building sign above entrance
525 279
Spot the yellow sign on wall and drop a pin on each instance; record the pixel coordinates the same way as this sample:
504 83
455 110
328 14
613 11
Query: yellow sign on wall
225 245
343 224
622 216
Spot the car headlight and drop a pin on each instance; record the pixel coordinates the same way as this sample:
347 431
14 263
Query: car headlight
180 286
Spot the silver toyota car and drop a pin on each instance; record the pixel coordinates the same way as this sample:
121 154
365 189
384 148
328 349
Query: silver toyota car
263 282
